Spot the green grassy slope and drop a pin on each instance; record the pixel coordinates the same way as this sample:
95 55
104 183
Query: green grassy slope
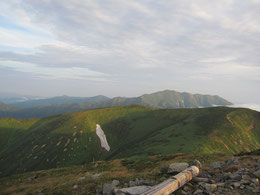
70 139
13 129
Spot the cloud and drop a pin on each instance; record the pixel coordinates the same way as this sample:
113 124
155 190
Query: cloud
55 73
218 60
197 11
160 43
20 39
229 69
252 106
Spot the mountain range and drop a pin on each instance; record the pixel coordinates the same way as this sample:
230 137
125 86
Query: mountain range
5 107
9 98
63 104
59 100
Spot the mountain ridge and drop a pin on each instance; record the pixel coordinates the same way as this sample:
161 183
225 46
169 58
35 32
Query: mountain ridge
7 107
70 139
63 104
58 100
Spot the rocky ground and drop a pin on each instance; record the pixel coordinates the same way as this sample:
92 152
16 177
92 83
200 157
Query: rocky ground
238 175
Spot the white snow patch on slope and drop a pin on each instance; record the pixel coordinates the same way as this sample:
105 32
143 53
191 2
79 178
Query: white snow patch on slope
100 133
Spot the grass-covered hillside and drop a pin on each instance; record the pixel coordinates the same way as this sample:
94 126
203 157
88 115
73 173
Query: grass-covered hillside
70 139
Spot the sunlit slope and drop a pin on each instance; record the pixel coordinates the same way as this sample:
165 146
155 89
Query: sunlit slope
70 139
207 130
63 140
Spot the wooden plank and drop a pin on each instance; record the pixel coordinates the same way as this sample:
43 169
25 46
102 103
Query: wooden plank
174 183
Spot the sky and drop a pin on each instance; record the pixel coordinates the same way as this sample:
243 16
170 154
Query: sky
129 48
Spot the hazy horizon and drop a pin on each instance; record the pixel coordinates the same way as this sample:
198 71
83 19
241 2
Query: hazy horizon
129 48
253 106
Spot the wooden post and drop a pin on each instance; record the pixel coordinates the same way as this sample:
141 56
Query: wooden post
174 183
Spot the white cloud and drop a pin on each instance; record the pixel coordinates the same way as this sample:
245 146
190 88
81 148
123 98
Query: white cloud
13 38
245 24
218 60
231 72
55 73
252 106
158 42
199 12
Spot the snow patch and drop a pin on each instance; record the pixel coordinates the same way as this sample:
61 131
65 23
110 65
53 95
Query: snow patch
100 133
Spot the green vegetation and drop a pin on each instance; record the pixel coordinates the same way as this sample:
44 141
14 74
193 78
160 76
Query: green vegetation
254 152
131 131
11 130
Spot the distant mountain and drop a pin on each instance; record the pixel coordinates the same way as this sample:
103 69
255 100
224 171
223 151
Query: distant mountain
44 111
60 100
5 107
9 98
170 99
63 104
70 139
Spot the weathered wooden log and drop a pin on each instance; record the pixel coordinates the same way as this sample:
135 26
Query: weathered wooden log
174 182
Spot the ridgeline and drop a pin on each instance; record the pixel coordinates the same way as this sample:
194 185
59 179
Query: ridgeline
70 139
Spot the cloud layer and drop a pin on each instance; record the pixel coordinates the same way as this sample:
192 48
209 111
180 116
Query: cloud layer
252 106
133 47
